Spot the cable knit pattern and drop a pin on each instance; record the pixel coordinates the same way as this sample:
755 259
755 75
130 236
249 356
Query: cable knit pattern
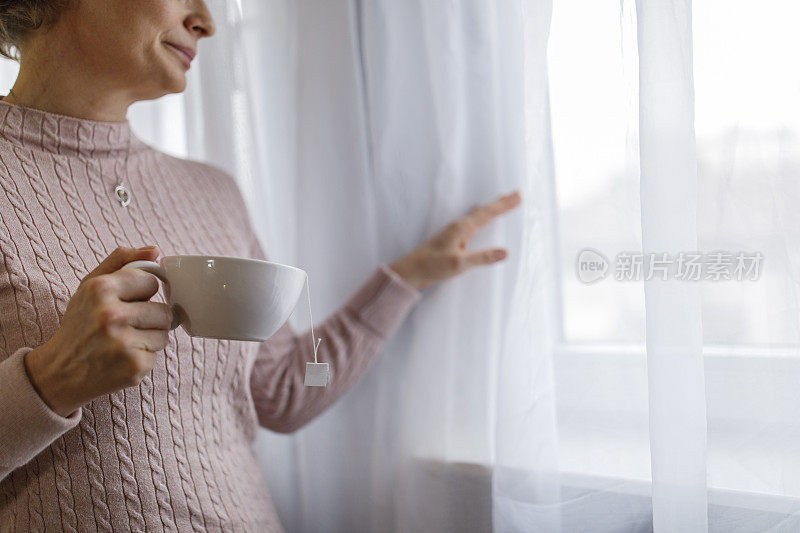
118 399
174 453
69 521
200 208
172 380
149 422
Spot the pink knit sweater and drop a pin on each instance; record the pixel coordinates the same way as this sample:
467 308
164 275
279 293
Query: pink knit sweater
175 452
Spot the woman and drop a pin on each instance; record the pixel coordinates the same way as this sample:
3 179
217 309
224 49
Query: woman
108 419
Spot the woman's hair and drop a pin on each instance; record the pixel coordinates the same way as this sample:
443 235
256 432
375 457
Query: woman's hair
20 17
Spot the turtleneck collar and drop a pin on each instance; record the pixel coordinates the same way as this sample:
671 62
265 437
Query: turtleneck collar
67 135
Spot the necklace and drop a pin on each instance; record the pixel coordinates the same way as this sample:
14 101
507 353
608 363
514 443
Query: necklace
121 192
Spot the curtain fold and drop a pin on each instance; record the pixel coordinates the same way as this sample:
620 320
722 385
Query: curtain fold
525 482
668 188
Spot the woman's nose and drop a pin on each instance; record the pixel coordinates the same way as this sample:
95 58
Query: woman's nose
200 21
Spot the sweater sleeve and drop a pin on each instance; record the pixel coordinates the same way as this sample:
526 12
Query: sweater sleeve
351 339
27 424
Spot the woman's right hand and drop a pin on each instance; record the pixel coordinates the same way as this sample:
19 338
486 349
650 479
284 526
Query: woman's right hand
107 338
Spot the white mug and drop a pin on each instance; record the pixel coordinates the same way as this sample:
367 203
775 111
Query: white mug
231 298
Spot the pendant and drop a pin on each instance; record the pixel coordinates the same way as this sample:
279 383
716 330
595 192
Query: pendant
123 195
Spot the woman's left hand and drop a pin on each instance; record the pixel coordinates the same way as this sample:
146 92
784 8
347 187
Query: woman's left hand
445 255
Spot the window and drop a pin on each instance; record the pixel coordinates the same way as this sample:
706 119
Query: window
747 123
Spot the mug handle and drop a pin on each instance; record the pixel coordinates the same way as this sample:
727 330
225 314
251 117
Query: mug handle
159 271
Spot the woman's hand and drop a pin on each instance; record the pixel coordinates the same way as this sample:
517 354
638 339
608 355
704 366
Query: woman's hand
108 336
445 254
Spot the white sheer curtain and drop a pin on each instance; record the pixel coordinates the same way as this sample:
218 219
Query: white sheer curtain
405 114
516 397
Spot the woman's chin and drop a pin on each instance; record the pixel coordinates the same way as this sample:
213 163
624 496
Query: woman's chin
174 82
179 86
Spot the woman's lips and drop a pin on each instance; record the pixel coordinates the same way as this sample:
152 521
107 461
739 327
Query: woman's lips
187 54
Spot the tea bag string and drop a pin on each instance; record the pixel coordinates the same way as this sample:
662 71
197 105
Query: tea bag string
308 293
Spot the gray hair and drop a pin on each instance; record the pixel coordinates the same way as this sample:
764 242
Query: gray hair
18 18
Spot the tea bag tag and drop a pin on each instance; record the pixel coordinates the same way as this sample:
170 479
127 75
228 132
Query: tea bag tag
317 374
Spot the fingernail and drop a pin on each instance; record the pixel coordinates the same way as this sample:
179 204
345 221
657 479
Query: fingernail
147 248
